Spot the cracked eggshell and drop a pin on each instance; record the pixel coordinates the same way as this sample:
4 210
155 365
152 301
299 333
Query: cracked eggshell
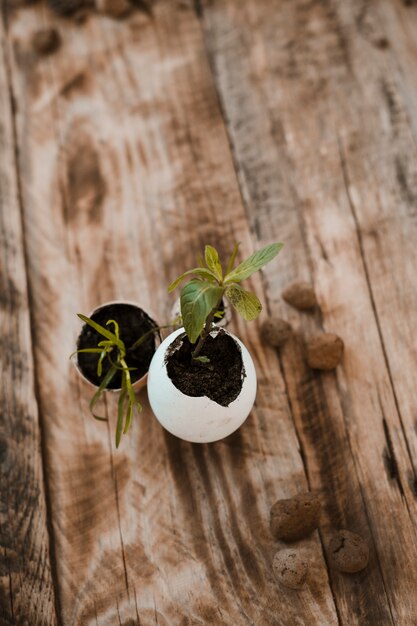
198 420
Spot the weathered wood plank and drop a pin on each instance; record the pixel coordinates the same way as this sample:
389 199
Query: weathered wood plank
26 588
387 222
126 173
316 154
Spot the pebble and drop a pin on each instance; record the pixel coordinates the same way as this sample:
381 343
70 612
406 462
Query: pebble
349 552
300 295
295 518
324 351
290 568
275 331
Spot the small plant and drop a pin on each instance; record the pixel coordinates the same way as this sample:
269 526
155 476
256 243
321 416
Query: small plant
113 350
202 295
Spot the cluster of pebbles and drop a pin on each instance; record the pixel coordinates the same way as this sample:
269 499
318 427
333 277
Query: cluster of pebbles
296 518
324 351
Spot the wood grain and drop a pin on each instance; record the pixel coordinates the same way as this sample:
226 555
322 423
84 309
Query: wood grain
26 587
127 172
326 162
138 142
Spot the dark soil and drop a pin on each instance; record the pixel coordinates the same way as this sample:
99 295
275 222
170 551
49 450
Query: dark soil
220 380
133 323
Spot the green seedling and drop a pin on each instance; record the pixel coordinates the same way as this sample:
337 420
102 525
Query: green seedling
112 348
202 295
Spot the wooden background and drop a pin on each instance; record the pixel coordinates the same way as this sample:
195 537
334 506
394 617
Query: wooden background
120 156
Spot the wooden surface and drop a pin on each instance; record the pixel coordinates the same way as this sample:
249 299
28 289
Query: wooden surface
120 156
26 587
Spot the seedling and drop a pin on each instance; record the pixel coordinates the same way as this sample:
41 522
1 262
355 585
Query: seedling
202 295
113 349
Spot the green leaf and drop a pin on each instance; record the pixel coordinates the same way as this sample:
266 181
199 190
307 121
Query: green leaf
145 336
116 327
132 401
213 262
129 415
106 380
100 418
120 416
197 271
100 363
103 331
106 343
91 350
254 263
127 383
232 258
198 298
246 303
202 359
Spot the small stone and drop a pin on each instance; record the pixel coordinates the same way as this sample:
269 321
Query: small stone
290 568
118 9
300 295
275 331
349 552
324 351
46 41
295 518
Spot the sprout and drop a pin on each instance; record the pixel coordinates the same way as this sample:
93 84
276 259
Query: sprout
113 349
202 295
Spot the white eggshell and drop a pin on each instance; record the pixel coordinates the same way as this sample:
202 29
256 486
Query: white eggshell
199 420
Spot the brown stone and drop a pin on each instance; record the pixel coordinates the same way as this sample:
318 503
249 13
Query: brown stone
275 331
290 568
295 518
324 351
46 41
300 295
349 552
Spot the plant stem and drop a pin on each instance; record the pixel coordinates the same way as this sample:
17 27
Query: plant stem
206 329
144 337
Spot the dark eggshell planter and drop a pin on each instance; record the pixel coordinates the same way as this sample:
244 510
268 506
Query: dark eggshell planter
137 384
